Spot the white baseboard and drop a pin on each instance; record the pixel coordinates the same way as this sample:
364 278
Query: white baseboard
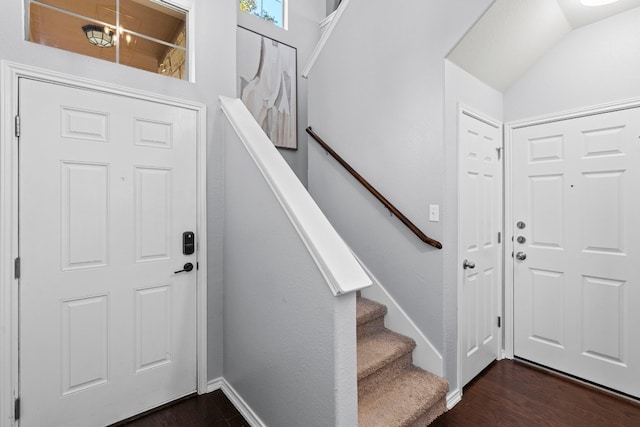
453 398
242 407
215 384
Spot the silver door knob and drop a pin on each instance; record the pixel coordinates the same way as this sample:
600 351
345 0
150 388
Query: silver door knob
468 264
521 256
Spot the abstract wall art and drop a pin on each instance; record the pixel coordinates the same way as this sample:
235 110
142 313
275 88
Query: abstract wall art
267 85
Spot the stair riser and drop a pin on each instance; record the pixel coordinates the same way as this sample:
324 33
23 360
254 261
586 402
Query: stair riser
384 374
370 327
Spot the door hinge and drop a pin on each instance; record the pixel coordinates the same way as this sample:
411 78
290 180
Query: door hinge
17 126
499 237
499 150
16 409
197 266
499 322
16 268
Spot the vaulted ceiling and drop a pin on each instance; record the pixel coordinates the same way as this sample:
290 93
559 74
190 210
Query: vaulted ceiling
514 34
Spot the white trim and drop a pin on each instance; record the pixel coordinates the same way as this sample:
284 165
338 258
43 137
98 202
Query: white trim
214 384
8 247
625 104
10 73
337 14
202 248
245 410
508 323
190 8
340 270
425 355
471 112
453 398
575 113
285 14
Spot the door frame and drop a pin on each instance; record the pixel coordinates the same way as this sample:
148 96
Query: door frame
10 73
509 264
473 113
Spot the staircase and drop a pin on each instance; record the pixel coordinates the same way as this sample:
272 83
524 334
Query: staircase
392 392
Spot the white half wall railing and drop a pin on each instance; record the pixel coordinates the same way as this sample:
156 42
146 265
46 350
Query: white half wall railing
340 269
289 289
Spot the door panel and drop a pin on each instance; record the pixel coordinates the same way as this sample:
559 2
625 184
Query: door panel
84 344
84 200
575 191
153 327
480 220
153 213
107 187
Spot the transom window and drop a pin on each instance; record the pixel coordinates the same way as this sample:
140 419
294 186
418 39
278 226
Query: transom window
270 10
147 34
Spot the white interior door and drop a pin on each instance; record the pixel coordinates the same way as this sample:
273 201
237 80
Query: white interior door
577 247
107 187
480 206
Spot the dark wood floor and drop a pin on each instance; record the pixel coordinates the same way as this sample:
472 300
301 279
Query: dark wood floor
508 393
511 393
207 410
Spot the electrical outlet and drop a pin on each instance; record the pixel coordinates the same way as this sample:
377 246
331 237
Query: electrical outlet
434 213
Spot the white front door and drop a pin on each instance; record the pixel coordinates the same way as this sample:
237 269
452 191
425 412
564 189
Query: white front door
577 247
107 188
480 206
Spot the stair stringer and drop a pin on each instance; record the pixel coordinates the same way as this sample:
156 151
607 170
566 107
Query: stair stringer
425 355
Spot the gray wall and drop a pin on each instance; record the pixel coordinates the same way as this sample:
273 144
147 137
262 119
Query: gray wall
289 344
460 87
332 5
376 94
215 69
592 65
302 33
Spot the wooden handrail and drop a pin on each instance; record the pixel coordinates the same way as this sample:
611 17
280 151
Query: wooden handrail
426 239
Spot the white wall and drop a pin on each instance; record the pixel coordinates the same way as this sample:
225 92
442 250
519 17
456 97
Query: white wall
289 344
376 95
302 33
215 69
595 64
460 88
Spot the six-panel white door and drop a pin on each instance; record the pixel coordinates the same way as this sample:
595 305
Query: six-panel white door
577 251
107 187
480 206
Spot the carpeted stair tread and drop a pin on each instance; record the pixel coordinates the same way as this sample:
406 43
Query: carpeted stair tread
367 310
404 401
380 349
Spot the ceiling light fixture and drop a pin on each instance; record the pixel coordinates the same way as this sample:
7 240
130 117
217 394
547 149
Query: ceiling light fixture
99 36
597 2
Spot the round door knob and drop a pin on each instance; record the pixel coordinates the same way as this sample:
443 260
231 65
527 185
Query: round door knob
468 264
521 256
